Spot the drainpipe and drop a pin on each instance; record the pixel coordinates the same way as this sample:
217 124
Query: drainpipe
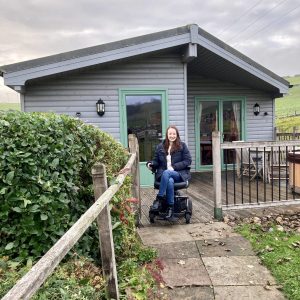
185 103
21 90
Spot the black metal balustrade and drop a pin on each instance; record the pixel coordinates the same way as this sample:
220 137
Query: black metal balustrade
259 174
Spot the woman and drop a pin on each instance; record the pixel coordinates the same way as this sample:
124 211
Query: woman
172 162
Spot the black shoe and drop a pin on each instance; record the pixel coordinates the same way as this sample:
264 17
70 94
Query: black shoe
160 198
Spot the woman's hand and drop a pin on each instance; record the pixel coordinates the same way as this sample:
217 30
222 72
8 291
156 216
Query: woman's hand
149 165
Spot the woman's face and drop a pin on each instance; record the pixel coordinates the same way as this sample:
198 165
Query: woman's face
172 135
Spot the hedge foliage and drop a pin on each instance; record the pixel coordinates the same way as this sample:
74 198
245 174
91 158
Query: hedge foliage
45 181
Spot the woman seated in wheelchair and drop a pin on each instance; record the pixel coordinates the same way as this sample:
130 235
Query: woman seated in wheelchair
171 164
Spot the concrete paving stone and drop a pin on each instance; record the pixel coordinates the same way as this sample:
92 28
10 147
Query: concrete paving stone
180 250
163 235
206 231
237 270
191 293
231 246
247 293
186 272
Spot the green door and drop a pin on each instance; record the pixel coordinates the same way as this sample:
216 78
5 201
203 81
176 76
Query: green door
225 114
143 113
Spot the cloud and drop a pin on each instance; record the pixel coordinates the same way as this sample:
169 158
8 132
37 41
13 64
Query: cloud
284 41
33 28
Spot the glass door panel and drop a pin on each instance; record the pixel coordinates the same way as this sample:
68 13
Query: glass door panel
144 119
231 127
217 114
208 123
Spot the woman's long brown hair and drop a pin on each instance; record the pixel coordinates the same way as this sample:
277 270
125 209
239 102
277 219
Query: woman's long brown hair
176 143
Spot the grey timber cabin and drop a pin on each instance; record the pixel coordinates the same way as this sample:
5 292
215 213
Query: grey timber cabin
183 76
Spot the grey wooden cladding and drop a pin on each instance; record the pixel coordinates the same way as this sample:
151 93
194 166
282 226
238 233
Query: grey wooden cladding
79 92
38 274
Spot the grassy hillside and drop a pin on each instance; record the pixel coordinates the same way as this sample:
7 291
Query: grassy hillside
293 80
7 106
288 105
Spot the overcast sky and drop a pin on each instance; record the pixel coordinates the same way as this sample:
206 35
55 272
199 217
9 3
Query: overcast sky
268 31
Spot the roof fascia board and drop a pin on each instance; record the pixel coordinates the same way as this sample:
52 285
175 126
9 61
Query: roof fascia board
20 77
240 63
194 33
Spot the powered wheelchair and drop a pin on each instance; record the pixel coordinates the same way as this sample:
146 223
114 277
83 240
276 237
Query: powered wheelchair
183 205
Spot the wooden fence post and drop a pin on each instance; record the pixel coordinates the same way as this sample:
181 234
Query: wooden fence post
105 233
216 145
135 190
275 134
294 132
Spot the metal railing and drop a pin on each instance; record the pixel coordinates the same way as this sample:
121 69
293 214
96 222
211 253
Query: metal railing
254 174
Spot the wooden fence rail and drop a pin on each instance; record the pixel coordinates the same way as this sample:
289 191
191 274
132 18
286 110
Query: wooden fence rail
285 136
37 275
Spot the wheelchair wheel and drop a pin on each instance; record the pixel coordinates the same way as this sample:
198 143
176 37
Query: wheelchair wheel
188 218
189 206
151 217
189 210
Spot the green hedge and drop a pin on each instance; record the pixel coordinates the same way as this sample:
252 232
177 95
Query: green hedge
45 182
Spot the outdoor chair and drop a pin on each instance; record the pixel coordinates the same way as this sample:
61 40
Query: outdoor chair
278 164
248 164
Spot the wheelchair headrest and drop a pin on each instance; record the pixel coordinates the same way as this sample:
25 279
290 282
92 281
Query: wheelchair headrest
177 185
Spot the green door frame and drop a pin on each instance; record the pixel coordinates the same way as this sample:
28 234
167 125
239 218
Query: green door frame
220 100
146 178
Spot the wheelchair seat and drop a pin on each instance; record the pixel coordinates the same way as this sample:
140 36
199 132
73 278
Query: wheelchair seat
177 185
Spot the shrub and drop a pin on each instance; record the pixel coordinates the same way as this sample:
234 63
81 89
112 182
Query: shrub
77 279
45 182
45 185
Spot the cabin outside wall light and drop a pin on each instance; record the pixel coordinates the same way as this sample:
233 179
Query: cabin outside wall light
256 109
100 106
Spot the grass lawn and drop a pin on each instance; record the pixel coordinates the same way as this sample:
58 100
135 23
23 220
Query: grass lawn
287 124
280 253
288 105
8 106
294 79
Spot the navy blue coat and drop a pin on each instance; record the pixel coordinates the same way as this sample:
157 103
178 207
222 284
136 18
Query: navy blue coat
180 160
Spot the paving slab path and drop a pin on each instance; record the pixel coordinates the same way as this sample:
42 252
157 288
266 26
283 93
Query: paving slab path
208 261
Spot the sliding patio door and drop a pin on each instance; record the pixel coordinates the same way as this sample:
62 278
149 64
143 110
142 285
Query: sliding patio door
222 114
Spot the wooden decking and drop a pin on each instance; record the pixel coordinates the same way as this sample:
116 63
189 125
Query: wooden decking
238 191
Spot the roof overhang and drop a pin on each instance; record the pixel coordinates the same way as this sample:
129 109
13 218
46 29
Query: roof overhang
16 75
